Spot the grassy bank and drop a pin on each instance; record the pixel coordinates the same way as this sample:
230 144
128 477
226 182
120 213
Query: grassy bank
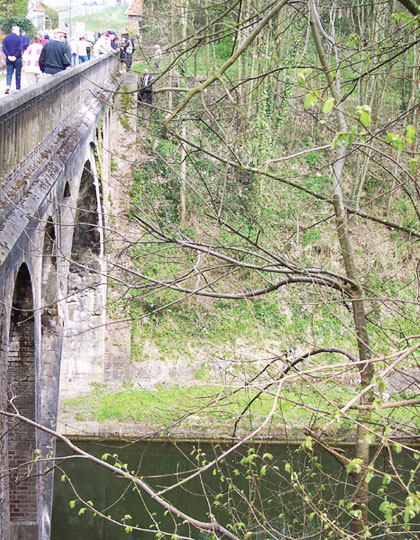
110 18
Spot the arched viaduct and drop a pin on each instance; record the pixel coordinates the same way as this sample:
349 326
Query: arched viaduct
54 165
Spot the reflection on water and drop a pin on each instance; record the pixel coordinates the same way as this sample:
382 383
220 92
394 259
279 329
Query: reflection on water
273 491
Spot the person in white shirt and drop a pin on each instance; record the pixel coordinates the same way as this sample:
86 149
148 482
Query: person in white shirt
157 56
81 50
31 60
103 45
73 45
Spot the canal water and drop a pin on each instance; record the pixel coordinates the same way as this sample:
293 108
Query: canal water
271 490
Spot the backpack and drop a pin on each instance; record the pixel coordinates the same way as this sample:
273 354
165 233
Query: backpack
146 80
130 48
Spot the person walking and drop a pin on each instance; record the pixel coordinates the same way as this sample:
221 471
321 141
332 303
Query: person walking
123 46
81 49
31 60
157 56
12 48
73 47
25 40
55 55
129 51
145 94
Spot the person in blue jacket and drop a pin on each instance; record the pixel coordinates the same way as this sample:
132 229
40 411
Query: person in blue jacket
12 48
25 40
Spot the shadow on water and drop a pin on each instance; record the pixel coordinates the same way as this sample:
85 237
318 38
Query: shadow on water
271 491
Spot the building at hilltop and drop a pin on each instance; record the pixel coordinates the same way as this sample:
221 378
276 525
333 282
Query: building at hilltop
36 14
135 16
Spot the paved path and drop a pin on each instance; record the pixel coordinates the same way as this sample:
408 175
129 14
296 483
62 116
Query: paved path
24 84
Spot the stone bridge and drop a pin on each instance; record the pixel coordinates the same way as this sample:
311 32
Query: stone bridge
54 168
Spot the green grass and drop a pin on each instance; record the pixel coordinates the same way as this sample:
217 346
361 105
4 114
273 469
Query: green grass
214 409
163 406
110 18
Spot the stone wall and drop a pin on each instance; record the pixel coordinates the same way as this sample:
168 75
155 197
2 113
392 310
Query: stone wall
37 225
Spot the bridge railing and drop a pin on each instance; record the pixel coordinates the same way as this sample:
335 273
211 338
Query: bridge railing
29 117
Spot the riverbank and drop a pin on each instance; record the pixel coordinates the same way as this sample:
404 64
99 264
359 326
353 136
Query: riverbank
203 411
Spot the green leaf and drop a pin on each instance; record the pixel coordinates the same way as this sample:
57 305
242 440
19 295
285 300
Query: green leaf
310 100
364 118
72 504
386 479
369 475
301 76
353 40
364 115
63 477
350 137
354 465
307 443
328 105
410 134
82 511
370 438
397 447
334 142
395 140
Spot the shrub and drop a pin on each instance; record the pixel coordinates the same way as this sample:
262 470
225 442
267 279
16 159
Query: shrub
23 23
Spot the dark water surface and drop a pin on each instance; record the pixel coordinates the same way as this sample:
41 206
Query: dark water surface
235 483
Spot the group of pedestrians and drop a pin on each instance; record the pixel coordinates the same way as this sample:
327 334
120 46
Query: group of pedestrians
44 57
80 50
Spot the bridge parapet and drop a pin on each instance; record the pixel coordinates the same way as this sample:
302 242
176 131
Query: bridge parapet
29 118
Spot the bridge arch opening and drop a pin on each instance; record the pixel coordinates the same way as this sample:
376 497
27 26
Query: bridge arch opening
85 320
22 395
87 235
66 192
50 325
49 280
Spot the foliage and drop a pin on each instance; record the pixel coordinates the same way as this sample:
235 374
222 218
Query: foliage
12 9
23 23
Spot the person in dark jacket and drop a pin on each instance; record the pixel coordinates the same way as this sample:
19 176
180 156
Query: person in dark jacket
25 40
55 55
145 94
12 48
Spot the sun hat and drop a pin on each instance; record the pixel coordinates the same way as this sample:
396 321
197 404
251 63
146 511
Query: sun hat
58 31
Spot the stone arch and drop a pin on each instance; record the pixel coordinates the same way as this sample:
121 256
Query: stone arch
87 236
21 391
86 291
51 333
49 276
